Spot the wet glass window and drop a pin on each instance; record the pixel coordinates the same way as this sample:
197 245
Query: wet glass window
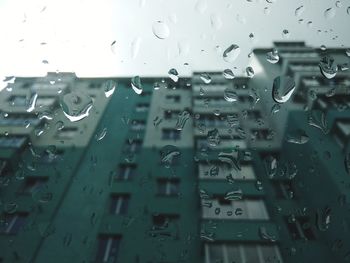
155 131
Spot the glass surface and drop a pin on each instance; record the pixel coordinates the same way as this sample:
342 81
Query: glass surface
158 131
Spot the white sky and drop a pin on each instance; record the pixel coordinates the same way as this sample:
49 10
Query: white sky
78 34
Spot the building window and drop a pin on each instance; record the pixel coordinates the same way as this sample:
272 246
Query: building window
341 131
163 220
142 107
168 187
227 253
119 204
170 134
33 183
171 114
219 171
21 120
284 189
18 101
108 248
67 133
173 98
45 101
13 223
221 207
126 172
12 142
133 146
262 134
300 228
138 125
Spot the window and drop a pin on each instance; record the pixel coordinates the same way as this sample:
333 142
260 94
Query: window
262 134
173 98
33 183
284 189
341 131
142 107
218 171
119 204
138 125
12 142
21 120
18 101
133 146
126 172
254 253
45 101
221 207
168 187
300 228
170 134
108 248
171 114
13 223
163 220
67 133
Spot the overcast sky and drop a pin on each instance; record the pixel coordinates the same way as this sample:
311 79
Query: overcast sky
77 35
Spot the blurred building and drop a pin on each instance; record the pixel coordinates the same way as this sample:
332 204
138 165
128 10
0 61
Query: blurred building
207 169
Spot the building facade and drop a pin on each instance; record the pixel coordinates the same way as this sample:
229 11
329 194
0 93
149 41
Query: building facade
204 169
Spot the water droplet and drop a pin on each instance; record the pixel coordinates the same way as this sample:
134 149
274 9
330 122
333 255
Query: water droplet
160 30
348 10
347 162
323 218
231 53
135 47
42 194
59 125
32 102
343 67
201 6
181 120
338 4
238 211
215 21
113 46
329 13
258 185
272 56
228 74
109 87
173 74
285 33
299 11
282 89
101 135
265 235
270 166
275 108
328 68
205 77
317 119
230 94
168 155
250 72
213 137
10 208
267 11
234 195
298 137
76 105
136 85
